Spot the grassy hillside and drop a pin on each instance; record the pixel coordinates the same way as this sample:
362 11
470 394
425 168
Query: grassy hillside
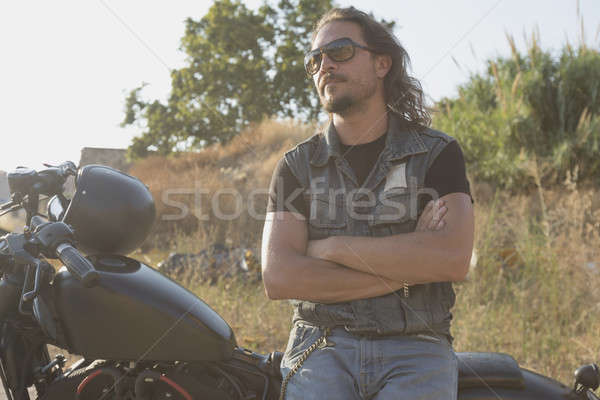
532 293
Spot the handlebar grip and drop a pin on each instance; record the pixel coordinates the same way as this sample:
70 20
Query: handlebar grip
77 265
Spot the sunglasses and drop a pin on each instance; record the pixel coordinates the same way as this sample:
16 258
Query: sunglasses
339 50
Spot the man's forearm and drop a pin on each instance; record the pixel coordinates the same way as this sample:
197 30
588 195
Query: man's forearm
416 257
306 278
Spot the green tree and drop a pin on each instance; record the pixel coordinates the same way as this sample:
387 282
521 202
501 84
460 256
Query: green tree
224 86
242 66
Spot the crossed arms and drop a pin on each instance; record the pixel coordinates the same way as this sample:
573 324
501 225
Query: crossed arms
343 268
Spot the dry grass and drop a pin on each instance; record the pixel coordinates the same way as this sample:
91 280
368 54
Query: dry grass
245 165
541 310
540 306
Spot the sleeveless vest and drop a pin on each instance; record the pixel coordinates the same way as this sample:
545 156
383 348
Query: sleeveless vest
386 204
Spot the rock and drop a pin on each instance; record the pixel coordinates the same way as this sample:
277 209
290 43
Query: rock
212 264
175 262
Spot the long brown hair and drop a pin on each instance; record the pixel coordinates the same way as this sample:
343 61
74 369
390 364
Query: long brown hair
403 93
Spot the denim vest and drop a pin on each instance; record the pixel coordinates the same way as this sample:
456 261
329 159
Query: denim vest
339 207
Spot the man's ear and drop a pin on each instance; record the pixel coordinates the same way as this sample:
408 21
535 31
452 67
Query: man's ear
383 64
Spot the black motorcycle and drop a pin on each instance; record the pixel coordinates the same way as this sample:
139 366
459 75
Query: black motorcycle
141 335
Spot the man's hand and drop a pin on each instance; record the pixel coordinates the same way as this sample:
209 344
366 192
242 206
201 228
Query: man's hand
432 219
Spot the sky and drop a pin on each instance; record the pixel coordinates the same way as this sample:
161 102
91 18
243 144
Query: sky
67 65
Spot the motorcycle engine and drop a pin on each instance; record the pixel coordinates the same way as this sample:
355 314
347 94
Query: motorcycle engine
118 382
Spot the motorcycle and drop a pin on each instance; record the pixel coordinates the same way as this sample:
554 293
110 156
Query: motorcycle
141 335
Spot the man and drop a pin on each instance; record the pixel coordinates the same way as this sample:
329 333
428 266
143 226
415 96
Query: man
350 236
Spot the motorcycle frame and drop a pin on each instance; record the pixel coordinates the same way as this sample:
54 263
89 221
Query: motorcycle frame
20 355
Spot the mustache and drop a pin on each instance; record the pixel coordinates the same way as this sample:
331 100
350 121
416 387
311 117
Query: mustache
330 77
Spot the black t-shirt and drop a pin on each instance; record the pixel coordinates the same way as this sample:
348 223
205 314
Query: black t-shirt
446 175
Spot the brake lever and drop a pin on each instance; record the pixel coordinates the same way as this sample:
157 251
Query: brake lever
67 168
24 290
16 245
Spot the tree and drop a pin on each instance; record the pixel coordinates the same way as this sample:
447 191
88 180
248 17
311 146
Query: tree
224 86
242 66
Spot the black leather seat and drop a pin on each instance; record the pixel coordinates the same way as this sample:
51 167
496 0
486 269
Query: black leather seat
488 369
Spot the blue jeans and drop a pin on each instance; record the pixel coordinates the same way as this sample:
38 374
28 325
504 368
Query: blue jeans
348 367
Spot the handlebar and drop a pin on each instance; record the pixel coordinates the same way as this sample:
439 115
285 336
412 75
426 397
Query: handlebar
56 239
26 185
24 181
53 239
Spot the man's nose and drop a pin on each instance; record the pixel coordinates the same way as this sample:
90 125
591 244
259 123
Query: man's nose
327 64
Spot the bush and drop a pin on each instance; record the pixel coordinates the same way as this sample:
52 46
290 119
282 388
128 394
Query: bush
530 118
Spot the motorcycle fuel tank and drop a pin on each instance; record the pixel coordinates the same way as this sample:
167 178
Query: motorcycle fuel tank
135 313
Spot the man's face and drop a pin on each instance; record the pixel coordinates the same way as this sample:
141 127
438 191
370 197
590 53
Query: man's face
343 85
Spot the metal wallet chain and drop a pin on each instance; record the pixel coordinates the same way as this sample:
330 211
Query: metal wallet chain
320 342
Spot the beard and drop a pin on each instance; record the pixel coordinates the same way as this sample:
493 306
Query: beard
338 105
345 103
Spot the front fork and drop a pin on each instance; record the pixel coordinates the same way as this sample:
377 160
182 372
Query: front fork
22 352
11 349
24 363
12 359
